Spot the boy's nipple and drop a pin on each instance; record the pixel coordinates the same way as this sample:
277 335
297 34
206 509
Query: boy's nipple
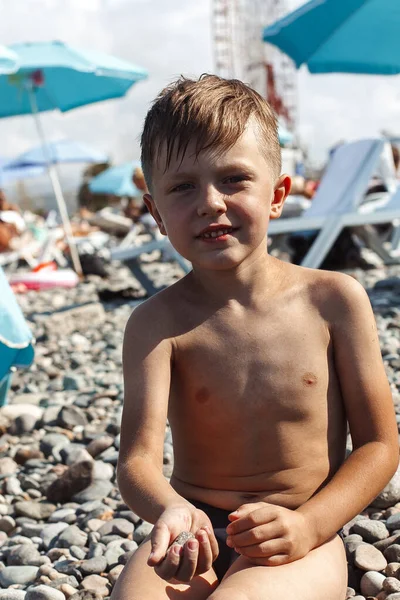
202 395
309 379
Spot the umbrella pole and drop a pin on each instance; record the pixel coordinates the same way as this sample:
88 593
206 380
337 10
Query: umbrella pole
55 182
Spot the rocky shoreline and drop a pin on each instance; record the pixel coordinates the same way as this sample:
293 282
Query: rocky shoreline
65 532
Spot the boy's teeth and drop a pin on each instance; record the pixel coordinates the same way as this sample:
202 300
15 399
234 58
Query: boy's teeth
214 234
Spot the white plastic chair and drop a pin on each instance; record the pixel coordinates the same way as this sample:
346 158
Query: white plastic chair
337 203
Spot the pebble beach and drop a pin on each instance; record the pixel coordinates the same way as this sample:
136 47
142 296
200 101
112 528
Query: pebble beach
65 532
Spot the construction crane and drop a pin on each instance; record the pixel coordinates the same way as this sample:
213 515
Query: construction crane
240 53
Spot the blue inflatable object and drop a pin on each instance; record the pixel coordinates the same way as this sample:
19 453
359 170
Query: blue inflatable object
16 349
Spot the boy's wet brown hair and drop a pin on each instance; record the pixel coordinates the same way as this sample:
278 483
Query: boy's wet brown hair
211 110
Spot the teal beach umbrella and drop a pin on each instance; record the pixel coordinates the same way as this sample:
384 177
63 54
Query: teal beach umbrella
62 77
116 181
56 76
341 36
8 60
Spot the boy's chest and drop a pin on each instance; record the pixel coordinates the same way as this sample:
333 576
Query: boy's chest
259 363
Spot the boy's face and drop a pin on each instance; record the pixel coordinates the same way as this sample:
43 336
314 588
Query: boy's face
215 209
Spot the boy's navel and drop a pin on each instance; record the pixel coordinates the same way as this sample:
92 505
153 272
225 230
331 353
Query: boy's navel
202 395
309 379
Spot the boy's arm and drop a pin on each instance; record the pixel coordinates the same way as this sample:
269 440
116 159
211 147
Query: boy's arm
147 363
370 413
147 357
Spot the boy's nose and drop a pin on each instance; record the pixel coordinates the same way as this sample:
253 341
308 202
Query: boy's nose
212 203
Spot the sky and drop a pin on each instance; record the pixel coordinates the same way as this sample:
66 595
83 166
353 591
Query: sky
170 38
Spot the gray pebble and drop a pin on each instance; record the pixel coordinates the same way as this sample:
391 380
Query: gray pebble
371 583
112 555
94 565
120 527
63 515
13 487
391 585
368 558
49 533
22 575
71 536
392 554
142 532
78 552
12 594
44 592
96 491
35 510
25 554
370 530
7 524
393 522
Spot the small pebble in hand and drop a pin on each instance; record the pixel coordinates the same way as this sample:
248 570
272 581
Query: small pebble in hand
181 539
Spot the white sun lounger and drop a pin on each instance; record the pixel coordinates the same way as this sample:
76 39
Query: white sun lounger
337 203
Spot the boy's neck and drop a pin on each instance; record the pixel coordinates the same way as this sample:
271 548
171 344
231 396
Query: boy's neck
259 276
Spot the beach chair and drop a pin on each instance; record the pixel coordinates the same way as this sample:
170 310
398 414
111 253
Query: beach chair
338 201
131 257
362 223
16 349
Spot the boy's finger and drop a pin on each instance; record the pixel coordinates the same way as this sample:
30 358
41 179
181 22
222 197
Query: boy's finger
205 558
168 568
160 538
261 516
264 550
255 535
213 542
188 564
246 509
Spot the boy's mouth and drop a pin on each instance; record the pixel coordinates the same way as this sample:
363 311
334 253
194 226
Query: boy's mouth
216 232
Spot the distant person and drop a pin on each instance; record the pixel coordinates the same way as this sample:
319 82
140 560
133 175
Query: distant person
11 222
377 184
5 205
258 365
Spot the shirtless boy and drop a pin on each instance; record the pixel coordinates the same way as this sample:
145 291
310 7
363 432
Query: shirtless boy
258 365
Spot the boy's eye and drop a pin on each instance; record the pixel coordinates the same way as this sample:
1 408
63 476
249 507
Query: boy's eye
182 187
235 179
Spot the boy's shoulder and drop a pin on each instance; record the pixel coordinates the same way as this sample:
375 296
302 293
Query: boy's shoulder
337 295
158 312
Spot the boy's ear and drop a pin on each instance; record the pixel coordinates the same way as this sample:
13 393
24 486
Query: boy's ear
149 202
281 192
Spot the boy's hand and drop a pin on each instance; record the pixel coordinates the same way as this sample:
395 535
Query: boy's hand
269 535
182 563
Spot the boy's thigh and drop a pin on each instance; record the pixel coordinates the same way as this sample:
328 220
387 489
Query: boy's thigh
138 581
320 574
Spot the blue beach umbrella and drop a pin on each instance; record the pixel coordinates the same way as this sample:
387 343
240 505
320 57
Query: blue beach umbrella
8 60
62 151
116 181
341 36
56 76
9 174
62 77
16 350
